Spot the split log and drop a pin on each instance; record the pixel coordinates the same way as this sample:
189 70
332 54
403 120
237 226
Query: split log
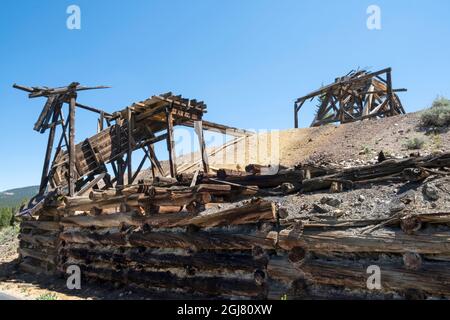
39 240
263 181
256 211
253 212
204 261
433 278
383 240
137 200
335 224
116 220
197 241
28 266
50 258
41 225
165 280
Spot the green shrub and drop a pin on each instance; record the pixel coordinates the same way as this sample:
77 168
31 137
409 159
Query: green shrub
47 296
8 234
414 144
438 115
6 217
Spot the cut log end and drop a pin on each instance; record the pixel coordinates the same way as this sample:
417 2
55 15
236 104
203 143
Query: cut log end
412 261
410 224
297 256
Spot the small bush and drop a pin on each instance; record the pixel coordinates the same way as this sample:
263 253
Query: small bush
47 296
437 141
9 234
6 217
365 150
438 115
414 144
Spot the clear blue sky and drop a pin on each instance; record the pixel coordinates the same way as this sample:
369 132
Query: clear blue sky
249 60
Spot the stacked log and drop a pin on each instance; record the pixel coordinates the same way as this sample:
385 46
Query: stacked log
148 198
342 258
173 239
210 255
39 243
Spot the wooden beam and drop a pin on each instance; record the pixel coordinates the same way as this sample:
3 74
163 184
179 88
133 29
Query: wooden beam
201 140
48 154
91 184
171 143
390 97
72 154
220 128
130 146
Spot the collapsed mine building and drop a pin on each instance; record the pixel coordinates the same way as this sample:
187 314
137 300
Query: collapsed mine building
200 232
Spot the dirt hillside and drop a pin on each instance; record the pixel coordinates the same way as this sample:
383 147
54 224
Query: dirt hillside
358 141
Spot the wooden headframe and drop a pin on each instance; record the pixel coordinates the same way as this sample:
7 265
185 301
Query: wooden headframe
357 96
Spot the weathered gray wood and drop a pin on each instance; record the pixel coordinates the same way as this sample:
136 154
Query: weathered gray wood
201 140
382 240
72 156
432 278
197 241
171 144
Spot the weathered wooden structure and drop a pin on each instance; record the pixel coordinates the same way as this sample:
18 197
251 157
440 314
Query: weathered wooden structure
223 234
357 96
77 168
139 126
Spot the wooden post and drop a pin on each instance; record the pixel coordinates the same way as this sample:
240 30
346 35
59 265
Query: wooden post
72 168
389 89
171 142
130 146
120 163
295 116
151 148
201 140
154 160
121 171
101 122
48 154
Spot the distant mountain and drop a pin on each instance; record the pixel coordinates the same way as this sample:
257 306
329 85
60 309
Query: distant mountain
14 197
